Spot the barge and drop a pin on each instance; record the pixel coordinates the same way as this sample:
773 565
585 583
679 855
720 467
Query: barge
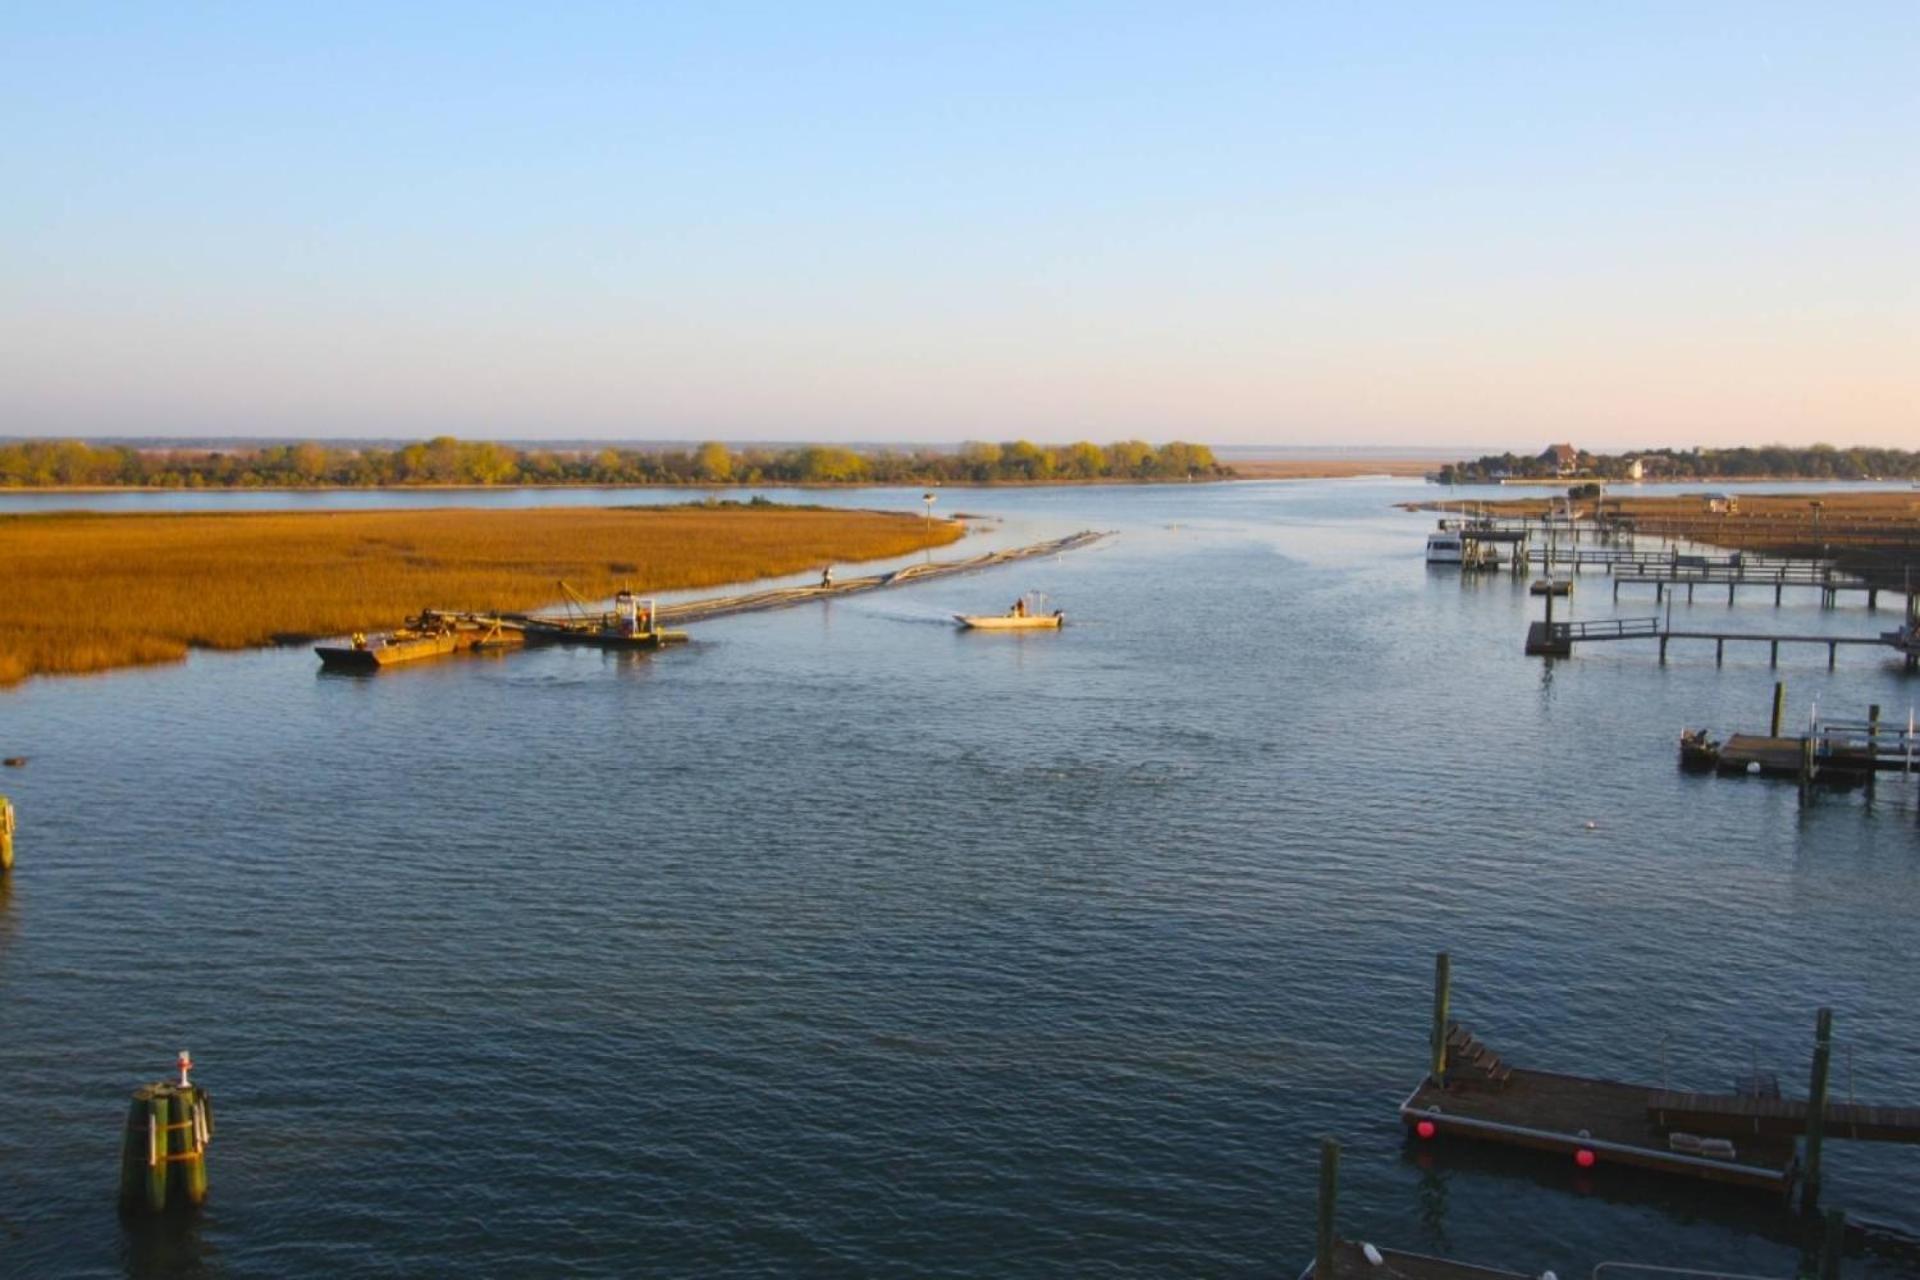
431 635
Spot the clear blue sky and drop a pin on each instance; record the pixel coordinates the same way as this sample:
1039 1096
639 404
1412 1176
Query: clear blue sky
1358 224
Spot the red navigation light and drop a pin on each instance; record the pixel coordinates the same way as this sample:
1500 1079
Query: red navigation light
1584 1158
1425 1129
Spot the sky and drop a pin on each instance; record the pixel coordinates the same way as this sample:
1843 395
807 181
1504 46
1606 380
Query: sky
1493 225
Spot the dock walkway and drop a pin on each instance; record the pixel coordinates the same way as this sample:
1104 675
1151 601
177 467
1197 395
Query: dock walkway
1556 639
784 597
1781 1117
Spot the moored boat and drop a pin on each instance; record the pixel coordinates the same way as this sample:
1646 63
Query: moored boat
633 624
1446 548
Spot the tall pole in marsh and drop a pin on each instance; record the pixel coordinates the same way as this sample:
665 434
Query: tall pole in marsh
928 499
1329 1192
1442 994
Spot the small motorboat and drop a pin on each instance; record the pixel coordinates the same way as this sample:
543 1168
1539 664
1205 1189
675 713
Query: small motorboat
1029 613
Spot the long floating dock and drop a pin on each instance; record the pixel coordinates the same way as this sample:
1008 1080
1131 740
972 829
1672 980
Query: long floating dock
785 597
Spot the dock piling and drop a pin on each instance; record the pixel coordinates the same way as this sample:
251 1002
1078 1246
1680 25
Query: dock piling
163 1161
1833 1243
1817 1108
1442 996
6 835
1329 1192
1779 707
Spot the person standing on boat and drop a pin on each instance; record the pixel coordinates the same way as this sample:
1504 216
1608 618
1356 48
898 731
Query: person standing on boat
826 577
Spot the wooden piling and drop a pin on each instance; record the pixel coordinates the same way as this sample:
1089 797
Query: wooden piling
1442 997
1329 1191
163 1162
6 835
1817 1108
1779 707
1833 1243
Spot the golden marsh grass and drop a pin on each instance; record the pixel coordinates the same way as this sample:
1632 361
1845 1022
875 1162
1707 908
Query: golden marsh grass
86 592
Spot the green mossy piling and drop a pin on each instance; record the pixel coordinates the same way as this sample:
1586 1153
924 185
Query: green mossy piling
163 1162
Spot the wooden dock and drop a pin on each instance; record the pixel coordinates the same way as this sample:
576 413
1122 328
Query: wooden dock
1556 639
785 597
1742 1117
1350 1262
1745 1138
1611 1122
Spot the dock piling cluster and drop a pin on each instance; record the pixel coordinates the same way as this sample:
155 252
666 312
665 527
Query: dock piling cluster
163 1152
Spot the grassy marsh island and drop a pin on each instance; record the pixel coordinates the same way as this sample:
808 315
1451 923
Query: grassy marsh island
88 592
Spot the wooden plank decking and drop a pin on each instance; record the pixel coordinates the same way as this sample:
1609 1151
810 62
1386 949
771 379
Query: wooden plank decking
1485 1099
1780 1117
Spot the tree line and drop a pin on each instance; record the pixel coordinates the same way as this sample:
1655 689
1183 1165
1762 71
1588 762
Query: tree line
448 461
1771 462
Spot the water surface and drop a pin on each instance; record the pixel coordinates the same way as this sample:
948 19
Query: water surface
839 942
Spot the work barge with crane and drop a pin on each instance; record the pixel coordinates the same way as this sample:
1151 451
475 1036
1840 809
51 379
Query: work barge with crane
634 623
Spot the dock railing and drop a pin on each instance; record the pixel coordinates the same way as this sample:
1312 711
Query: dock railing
1608 629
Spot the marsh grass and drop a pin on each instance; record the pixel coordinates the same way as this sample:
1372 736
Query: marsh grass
87 592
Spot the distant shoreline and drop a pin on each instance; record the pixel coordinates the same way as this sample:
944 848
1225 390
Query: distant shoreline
1398 468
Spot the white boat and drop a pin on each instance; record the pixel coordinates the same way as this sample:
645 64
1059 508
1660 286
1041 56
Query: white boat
1011 621
1029 613
1446 548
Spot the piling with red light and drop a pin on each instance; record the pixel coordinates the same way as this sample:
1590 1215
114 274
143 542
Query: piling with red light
163 1162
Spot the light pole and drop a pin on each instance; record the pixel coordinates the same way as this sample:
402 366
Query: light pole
928 499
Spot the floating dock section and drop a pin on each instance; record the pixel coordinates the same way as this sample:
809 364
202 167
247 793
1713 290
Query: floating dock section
1746 1138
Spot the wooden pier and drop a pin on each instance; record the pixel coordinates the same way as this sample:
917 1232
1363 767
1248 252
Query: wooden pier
1665 577
1556 639
785 597
1745 1138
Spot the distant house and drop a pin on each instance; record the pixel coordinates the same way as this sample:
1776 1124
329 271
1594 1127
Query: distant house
1722 504
1636 470
1563 458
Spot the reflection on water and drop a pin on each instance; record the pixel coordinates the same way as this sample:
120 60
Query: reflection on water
839 942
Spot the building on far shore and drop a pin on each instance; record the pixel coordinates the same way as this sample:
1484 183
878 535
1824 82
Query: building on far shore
1564 458
1636 470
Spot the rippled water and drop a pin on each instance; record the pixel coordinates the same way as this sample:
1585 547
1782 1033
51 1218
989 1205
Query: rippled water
842 943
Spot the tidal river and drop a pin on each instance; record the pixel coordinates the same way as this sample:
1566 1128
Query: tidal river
841 943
